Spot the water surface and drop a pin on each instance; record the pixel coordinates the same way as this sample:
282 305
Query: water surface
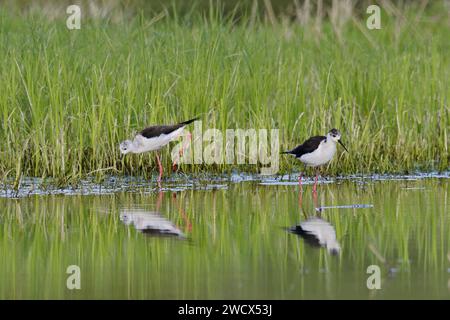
229 238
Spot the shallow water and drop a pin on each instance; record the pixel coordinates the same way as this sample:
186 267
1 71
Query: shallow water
235 237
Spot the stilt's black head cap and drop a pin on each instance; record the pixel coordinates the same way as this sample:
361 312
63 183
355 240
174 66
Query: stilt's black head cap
335 132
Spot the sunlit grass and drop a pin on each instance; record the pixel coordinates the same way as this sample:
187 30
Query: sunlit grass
68 98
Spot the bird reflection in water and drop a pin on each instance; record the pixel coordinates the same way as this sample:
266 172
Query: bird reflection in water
316 231
153 223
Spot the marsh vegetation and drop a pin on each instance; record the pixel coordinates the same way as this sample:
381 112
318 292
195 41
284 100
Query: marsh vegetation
68 97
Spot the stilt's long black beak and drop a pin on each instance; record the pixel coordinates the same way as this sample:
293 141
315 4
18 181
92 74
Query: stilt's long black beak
342 145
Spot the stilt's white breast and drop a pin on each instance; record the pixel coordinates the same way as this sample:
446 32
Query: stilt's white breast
150 144
323 154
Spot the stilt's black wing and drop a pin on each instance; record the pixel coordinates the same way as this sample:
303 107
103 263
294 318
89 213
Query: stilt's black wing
308 146
156 131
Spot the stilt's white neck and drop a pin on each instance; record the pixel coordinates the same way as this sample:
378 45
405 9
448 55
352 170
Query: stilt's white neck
136 146
331 139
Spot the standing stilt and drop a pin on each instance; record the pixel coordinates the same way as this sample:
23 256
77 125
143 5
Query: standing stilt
317 150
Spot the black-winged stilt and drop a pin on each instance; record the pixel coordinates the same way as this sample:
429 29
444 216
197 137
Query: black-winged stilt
154 138
317 151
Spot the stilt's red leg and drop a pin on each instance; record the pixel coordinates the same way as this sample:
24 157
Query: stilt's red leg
181 152
189 135
160 168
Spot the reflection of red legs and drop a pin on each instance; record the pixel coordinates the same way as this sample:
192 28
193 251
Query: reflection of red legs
300 181
181 152
315 181
160 169
159 200
315 199
315 188
183 215
300 198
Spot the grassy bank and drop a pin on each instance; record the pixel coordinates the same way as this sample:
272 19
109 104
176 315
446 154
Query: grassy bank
67 98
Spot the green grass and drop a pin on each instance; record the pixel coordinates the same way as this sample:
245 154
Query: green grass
67 98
